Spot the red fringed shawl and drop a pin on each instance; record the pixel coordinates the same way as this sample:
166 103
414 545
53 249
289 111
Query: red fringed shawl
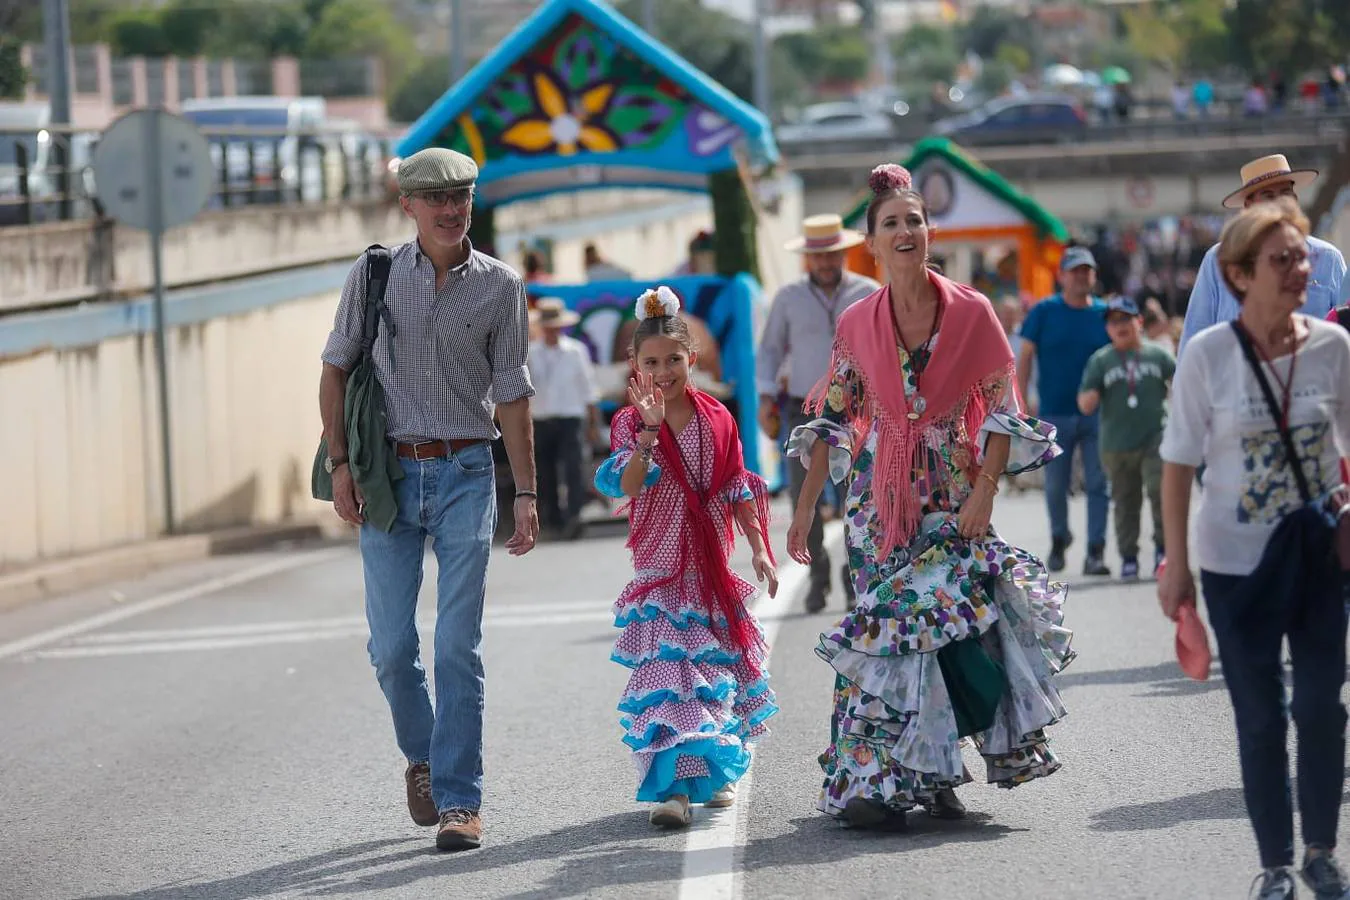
971 364
706 537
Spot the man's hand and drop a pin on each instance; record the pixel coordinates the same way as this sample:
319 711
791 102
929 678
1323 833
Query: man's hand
770 417
527 527
347 498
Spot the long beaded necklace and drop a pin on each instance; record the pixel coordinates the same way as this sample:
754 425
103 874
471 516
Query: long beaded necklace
918 404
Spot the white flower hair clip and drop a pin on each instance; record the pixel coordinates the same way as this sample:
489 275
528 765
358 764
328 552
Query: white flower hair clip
659 301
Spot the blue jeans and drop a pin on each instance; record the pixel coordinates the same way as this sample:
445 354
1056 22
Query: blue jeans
453 501
1078 432
1252 669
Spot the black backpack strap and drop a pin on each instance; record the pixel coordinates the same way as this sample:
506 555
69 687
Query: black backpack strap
1290 451
378 264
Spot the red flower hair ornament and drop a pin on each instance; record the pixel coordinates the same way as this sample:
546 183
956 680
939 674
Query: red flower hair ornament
890 177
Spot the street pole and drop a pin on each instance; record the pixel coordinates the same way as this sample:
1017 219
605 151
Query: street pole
457 28
155 190
56 34
763 98
649 17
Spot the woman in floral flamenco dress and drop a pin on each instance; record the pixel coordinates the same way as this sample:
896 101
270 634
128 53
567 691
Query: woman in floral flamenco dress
698 695
955 636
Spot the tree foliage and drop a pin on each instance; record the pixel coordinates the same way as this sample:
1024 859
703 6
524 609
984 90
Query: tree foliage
350 28
13 74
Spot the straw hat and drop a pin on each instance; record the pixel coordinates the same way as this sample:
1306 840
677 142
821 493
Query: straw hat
1261 171
824 234
550 312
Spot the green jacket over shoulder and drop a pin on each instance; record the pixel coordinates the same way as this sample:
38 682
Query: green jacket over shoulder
370 457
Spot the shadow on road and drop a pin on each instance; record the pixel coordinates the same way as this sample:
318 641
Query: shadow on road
1220 803
1166 679
593 855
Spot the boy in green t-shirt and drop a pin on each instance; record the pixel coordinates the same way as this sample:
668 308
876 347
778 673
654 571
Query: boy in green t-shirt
1128 382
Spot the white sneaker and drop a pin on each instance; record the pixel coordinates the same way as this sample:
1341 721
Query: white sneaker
722 798
674 813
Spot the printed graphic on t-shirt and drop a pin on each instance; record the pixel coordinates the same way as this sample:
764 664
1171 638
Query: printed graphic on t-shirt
1269 489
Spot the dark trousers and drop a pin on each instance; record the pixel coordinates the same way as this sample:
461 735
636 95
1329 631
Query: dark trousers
559 453
1250 652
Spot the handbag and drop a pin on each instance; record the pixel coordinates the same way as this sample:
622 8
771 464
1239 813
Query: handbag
378 263
1338 509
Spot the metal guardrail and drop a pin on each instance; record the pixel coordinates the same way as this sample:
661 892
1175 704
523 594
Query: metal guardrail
1153 130
46 174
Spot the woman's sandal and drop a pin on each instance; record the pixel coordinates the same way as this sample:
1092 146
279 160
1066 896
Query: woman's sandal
722 798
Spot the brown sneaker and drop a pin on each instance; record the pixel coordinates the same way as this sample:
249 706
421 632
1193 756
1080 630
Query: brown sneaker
420 804
461 829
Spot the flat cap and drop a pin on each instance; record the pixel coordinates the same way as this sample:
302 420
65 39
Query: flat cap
436 169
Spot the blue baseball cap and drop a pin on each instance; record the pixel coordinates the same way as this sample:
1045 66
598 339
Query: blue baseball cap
1075 257
1122 305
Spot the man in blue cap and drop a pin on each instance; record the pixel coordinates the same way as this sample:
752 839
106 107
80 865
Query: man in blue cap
1059 335
1126 383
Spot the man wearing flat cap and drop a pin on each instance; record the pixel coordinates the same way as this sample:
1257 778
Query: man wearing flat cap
1263 180
451 346
796 342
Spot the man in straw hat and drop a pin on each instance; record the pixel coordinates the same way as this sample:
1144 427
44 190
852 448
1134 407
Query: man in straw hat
451 346
796 343
1263 180
564 413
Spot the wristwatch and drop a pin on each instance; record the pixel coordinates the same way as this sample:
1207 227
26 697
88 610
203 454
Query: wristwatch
333 462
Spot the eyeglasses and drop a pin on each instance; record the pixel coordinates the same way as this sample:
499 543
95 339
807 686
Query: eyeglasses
456 197
1286 259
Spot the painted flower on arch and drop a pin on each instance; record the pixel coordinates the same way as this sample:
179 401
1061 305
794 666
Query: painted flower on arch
563 124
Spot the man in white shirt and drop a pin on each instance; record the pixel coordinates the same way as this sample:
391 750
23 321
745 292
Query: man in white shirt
796 341
565 395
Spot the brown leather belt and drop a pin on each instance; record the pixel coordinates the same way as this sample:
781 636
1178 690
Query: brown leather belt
423 450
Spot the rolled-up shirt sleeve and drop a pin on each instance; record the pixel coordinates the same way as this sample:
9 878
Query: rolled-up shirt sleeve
344 341
510 348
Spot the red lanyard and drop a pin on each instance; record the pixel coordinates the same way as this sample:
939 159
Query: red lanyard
1286 385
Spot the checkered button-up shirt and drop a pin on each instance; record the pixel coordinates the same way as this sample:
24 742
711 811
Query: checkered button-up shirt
456 351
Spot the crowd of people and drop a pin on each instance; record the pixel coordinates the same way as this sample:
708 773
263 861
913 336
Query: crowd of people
910 395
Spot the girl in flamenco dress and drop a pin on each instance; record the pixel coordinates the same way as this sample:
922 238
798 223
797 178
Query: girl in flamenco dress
956 634
698 695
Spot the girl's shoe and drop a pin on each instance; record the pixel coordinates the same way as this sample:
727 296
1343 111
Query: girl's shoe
722 797
674 813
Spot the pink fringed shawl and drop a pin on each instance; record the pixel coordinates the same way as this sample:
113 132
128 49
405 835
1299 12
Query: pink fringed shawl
707 526
970 365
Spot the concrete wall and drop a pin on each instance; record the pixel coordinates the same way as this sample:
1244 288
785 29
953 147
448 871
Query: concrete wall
81 444
70 261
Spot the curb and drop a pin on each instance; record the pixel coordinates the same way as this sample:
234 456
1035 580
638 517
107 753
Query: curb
45 580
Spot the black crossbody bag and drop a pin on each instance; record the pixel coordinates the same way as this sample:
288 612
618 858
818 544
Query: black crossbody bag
1339 507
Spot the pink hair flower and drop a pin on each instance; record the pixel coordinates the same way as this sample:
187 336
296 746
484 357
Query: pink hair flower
889 177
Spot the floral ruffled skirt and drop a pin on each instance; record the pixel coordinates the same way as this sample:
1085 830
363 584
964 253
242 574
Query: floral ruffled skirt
693 706
895 736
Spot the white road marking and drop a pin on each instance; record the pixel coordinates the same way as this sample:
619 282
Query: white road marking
710 854
150 604
262 634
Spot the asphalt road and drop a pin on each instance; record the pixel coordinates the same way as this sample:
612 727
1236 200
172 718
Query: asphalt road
215 731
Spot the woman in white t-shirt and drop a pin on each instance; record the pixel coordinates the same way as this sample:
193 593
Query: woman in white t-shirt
1219 414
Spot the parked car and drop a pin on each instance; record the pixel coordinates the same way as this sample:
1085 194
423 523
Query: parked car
1030 119
837 121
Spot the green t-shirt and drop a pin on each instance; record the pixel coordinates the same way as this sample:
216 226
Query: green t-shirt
1125 427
